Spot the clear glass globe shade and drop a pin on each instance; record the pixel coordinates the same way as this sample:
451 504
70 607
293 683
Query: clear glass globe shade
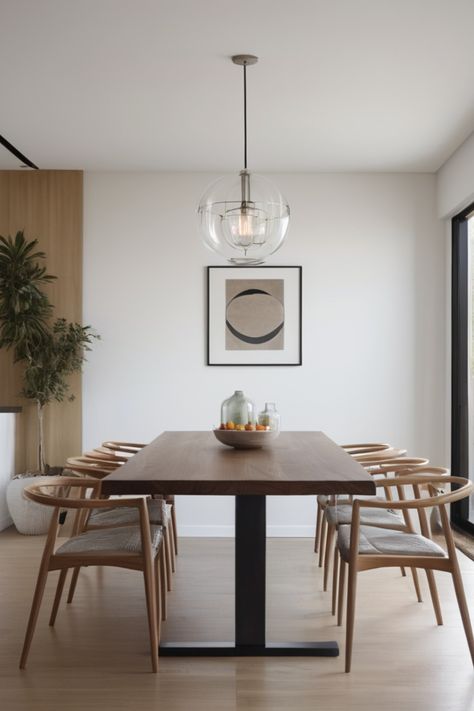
243 218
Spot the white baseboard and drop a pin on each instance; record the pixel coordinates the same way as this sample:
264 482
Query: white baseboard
228 531
5 522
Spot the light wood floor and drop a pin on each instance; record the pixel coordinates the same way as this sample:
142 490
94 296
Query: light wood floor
96 658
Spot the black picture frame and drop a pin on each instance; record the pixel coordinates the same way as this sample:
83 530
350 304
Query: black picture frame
292 355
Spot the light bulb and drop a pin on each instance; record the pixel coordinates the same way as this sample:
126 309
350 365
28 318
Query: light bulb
244 227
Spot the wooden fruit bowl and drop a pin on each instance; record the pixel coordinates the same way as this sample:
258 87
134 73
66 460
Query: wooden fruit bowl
254 439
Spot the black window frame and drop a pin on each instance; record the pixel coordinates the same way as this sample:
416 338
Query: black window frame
460 362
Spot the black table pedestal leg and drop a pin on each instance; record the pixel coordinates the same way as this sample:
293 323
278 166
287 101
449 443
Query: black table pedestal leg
250 544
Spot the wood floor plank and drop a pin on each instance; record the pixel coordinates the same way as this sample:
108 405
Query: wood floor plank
96 658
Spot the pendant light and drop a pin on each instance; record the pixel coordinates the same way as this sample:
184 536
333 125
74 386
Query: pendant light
244 218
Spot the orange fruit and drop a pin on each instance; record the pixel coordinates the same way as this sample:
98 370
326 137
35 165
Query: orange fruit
230 425
259 427
249 427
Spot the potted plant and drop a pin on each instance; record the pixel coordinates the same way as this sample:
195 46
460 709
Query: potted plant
50 350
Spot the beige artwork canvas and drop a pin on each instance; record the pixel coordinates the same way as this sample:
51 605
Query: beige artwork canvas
255 314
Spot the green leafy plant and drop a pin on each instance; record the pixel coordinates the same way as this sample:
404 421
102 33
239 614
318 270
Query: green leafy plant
51 351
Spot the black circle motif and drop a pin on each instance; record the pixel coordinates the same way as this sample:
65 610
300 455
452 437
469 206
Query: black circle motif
255 340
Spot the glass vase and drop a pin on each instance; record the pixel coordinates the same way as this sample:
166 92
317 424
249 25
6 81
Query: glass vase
238 410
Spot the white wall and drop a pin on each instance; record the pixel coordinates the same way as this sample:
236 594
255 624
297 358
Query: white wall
372 251
7 462
456 180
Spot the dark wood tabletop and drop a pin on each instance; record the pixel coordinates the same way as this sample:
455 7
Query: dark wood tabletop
196 463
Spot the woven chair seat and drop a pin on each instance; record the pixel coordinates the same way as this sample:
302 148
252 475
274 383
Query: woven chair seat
325 499
383 541
158 511
340 515
125 539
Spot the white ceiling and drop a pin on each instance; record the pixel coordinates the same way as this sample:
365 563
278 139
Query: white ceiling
8 161
342 85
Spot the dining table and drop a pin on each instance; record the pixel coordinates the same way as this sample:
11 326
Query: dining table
196 464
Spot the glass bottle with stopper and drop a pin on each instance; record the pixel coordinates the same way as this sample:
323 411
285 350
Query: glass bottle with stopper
269 417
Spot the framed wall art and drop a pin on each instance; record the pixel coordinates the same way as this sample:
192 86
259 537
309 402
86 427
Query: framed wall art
254 316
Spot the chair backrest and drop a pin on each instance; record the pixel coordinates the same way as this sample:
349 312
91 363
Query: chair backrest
435 479
365 448
130 447
381 455
108 455
104 462
61 493
397 465
82 465
91 458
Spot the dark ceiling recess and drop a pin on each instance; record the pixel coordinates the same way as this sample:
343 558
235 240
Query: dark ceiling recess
17 153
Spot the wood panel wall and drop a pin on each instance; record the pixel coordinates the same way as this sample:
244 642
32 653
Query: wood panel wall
47 205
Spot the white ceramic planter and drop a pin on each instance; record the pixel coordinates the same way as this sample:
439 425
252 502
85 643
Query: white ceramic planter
29 517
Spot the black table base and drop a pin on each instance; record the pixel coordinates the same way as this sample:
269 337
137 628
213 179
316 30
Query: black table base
228 649
250 640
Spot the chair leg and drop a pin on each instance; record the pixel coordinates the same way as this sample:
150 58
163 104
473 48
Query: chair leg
335 571
416 583
73 583
322 541
327 555
175 529
403 572
166 545
172 551
317 535
434 596
163 585
340 600
350 615
57 597
463 608
157 568
35 607
151 610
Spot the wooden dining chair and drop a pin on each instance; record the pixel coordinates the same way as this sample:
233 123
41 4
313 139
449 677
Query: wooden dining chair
159 515
355 450
340 514
376 468
117 448
368 455
135 547
368 547
101 457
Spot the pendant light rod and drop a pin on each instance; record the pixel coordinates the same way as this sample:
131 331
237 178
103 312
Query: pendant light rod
245 60
245 117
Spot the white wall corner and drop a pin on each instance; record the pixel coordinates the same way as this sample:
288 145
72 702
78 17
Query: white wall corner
455 180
